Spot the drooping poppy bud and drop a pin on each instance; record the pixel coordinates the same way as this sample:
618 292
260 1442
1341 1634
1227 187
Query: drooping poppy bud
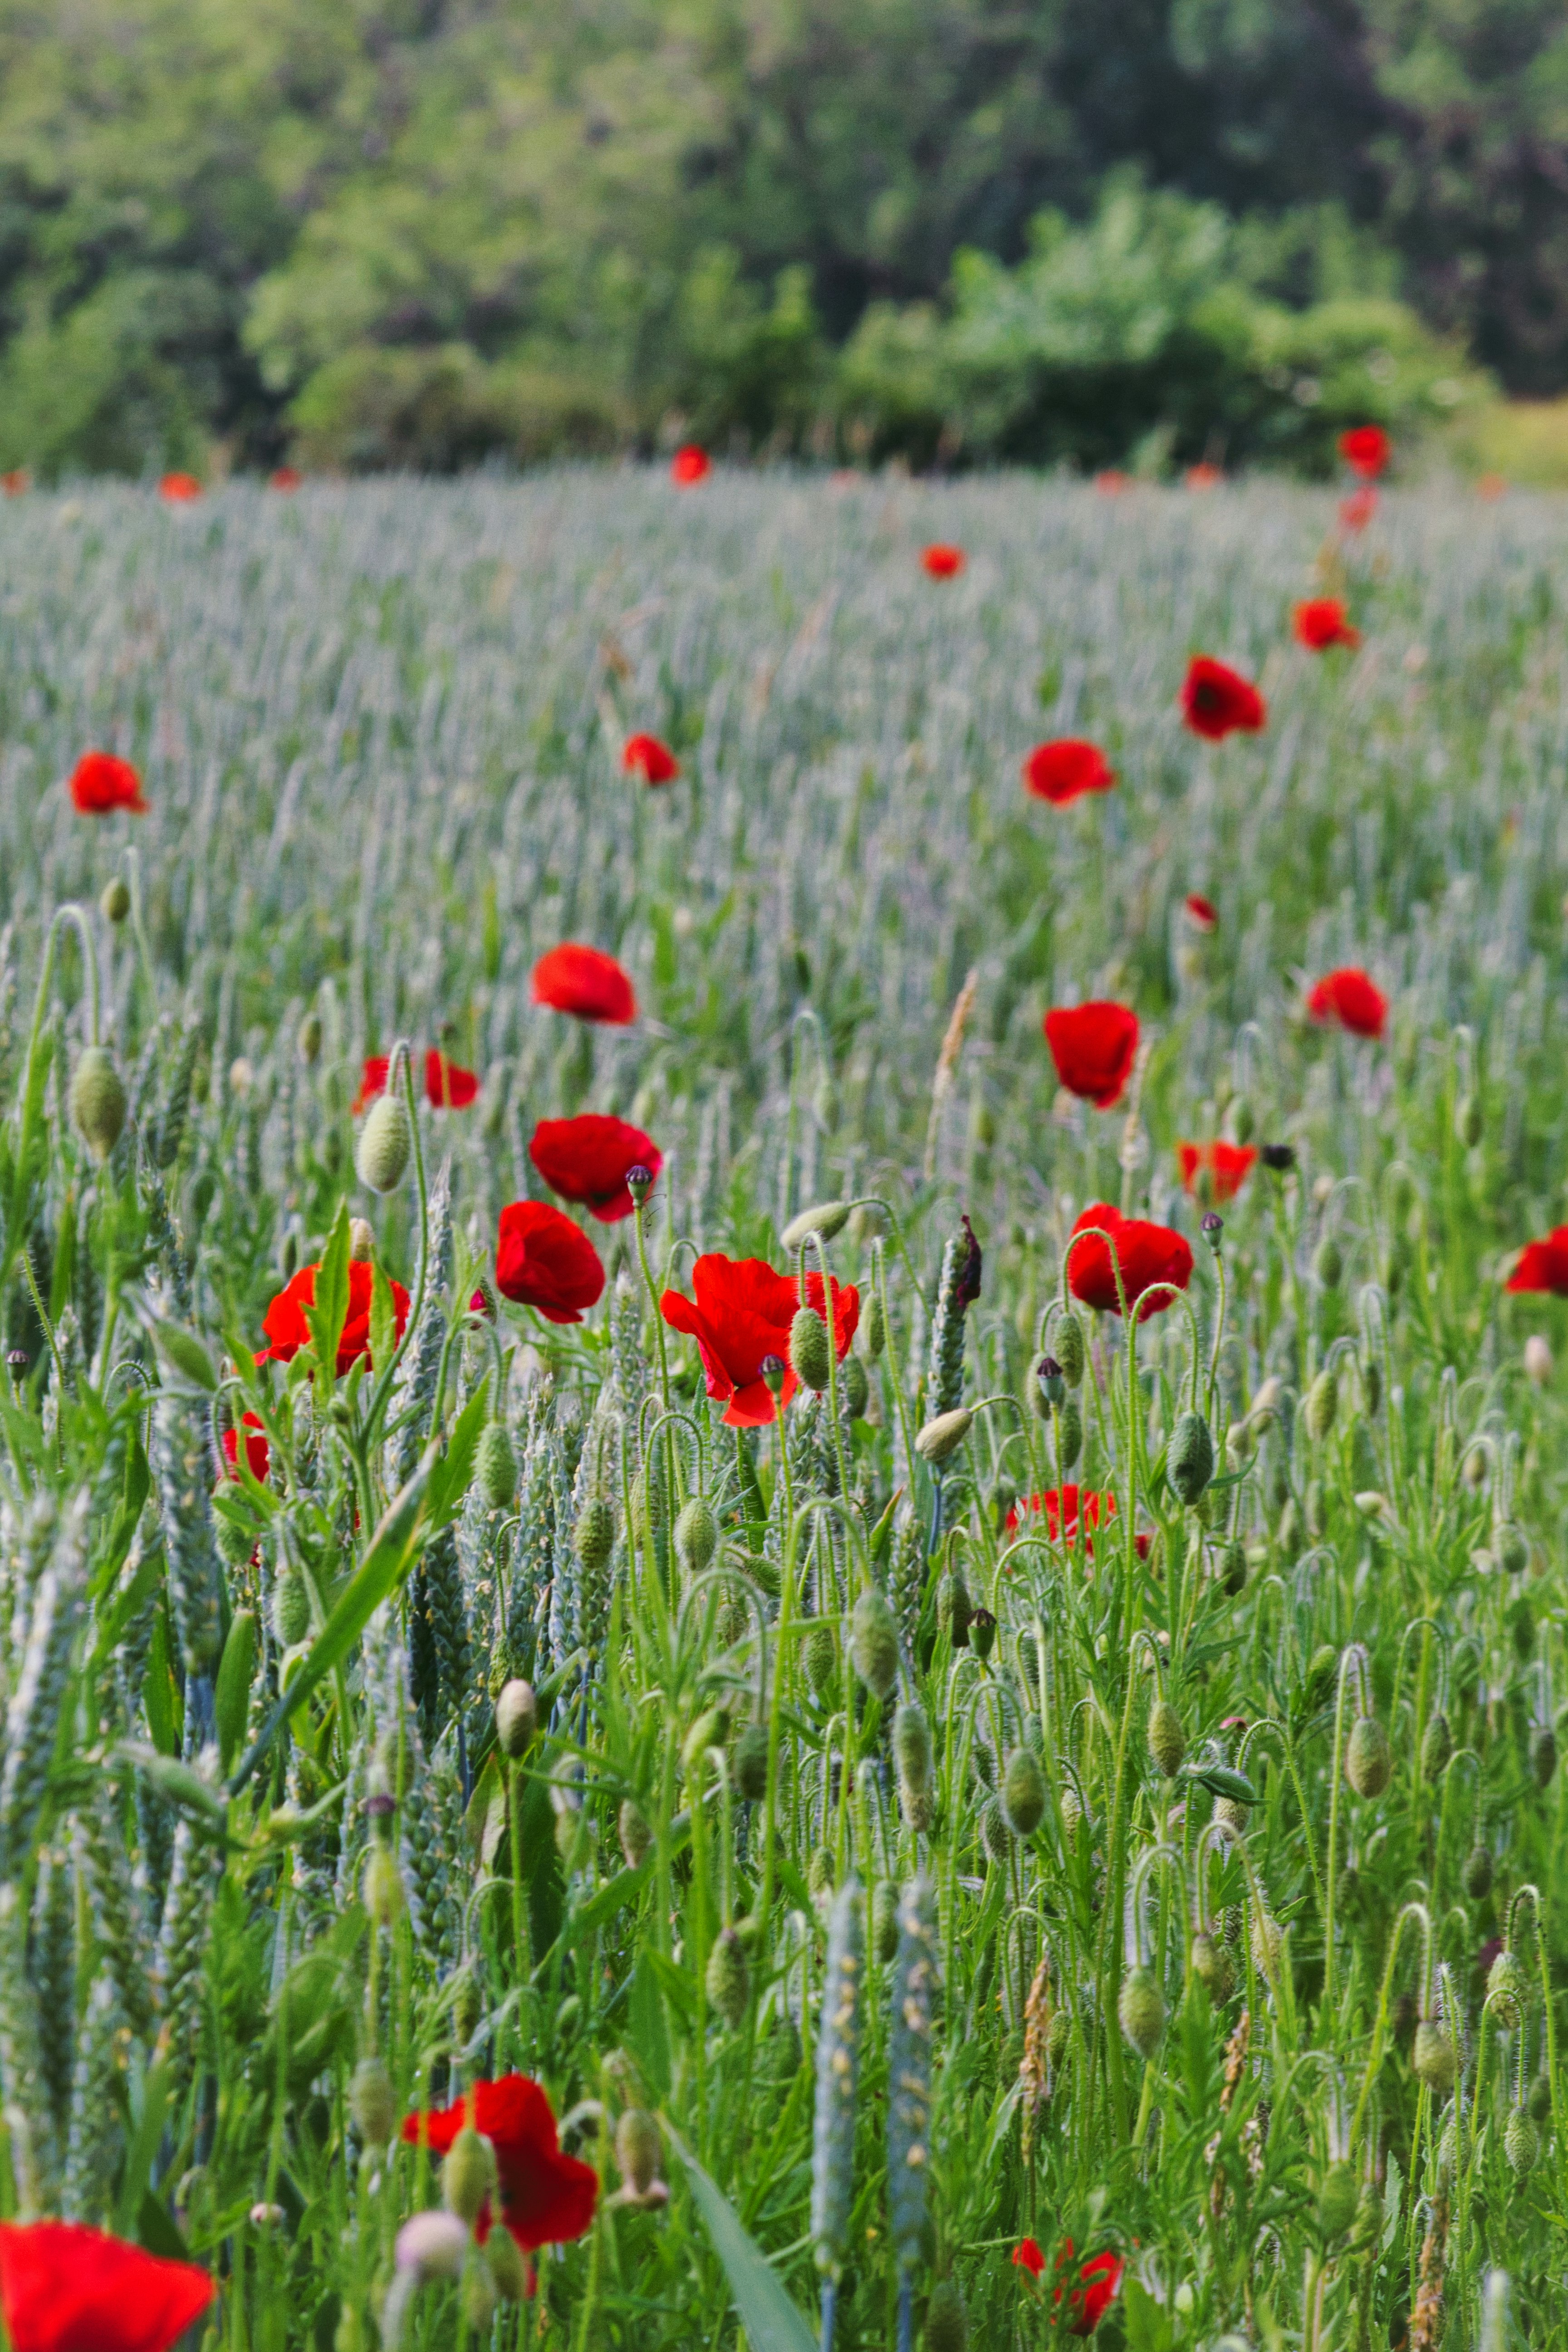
1189 1458
114 901
729 1978
98 1100
874 1641
1141 2011
517 1718
385 1143
1167 1740
696 1534
1024 1792
1369 1757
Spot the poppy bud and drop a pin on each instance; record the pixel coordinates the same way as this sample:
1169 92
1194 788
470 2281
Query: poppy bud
1521 2143
995 1837
517 1718
821 1659
1328 1264
954 1612
477 2300
1230 1816
944 1435
638 2147
1024 1792
1141 2011
1337 2200
634 1832
372 2102
1230 1567
382 1886
1240 1443
508 2271
1507 1986
819 1871
828 1218
875 1327
729 1980
1212 1968
708 1731
1437 1747
1070 1805
771 1368
495 1466
468 2175
1539 2100
1537 1359
1521 1628
1239 1123
385 1140
947 2319
1189 1458
1371 1373
982 1634
1068 1435
911 1743
1051 1388
114 903
1268 1943
885 1920
1277 1156
1069 1349
696 1534
593 1536
362 1241
1433 2058
856 1388
1511 1549
1167 1740
751 1762
810 1353
98 1100
290 1606
1479 1872
1467 1121
874 1643
432 2245
640 1184
1543 1754
311 1037
1369 1757
1322 1404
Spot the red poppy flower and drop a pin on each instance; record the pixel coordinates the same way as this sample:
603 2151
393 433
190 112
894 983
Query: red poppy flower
689 465
179 489
1147 1253
647 757
546 2198
571 978
285 478
941 562
545 1262
1061 1508
1491 485
447 1087
1218 702
1543 1265
1322 622
1366 450
1061 772
100 783
1204 478
14 482
1227 1166
1201 912
288 1331
586 1160
1358 510
1093 1046
1096 2291
258 1453
741 1315
65 2288
1026 2256
1111 481
1349 997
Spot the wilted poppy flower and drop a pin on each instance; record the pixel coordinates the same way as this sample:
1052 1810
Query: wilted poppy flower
258 1453
740 1316
545 1262
100 783
689 465
1226 1166
446 1087
582 980
66 2288
1218 702
587 1159
546 2198
14 482
647 757
1201 912
1367 449
943 563
1093 1046
288 1331
1062 770
1098 2282
179 489
1543 1265
1026 2256
1322 622
1353 1000
1147 1253
285 478
1358 510
1204 478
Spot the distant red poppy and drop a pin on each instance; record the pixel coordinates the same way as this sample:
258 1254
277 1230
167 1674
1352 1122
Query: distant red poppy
1351 999
1218 702
1062 1508
1204 478
179 489
1543 1265
14 482
647 757
741 1314
1026 2256
545 1262
285 478
100 783
943 563
689 465
1358 510
1322 622
582 981
288 1331
1064 770
1147 1253
1201 912
1491 485
586 1160
1111 481
1098 2282
446 1087
1094 1046
258 1453
1226 1166
546 2198
66 2288
1366 450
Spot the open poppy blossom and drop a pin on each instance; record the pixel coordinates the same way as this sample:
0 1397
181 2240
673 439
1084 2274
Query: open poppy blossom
689 465
446 1087
1026 2256
941 562
583 981
1543 1265
288 1331
67 2288
1147 1253
647 757
179 489
545 1262
14 482
1358 510
1219 1169
741 1314
1064 770
100 783
1062 1508
1351 999
587 1159
1098 2284
1366 450
1218 702
1322 622
546 2198
1094 1046
285 479
258 1453
1201 912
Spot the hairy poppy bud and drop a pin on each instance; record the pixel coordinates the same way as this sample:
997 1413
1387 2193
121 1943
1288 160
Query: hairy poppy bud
372 2102
362 1241
729 1980
1479 1872
1511 1549
1521 2143
1067 1343
593 1536
1437 1745
1068 1435
385 1140
954 1612
696 1534
995 1837
947 2319
1540 2099
468 2175
1322 1404
1369 1757
1267 1943
819 1871
640 1184
1189 1458
1521 1628
1213 1230
517 1718
821 1659
1238 1119
1051 1389
637 2147
1328 1264
98 1100
1212 1968
1141 2011
875 1327
809 1349
114 903
1433 2058
1230 1567
508 2271
751 1763
827 1218
1167 1740
982 1634
885 1920
635 1835
495 1466
944 1435
1337 2200
1507 1986
309 1040
477 2300
874 1641
911 1743
1543 1754
290 1606
1537 1359
1024 1792
1467 1121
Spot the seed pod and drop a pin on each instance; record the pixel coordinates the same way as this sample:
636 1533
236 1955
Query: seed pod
1328 1264
1467 1121
593 1536
837 2068
827 1218
632 1830
1433 2058
1212 1968
1141 2011
1369 1757
1189 1458
1521 2143
750 1763
944 1435
874 1641
373 2102
1068 1434
1230 1567
953 1612
1479 1872
1543 1754
729 1980
1067 1346
885 1919
908 2073
1322 1405
1511 1549
114 900
856 1388
982 1634
809 1352
1506 1987
468 2175
911 1744
1337 2200
875 1327
517 1718
1437 1745
495 1466
98 1100
947 2319
821 1659
1167 1740
385 1141
1024 1792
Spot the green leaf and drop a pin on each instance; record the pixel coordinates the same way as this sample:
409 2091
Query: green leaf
1148 2329
184 1353
148 2116
771 2322
450 1478
1224 1780
383 1316
159 1695
646 2031
156 2231
329 1310
232 1702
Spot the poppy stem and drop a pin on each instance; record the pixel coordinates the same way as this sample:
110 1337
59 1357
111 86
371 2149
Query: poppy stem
906 2314
829 2306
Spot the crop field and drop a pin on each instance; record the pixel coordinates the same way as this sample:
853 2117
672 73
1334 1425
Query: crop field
782 1552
